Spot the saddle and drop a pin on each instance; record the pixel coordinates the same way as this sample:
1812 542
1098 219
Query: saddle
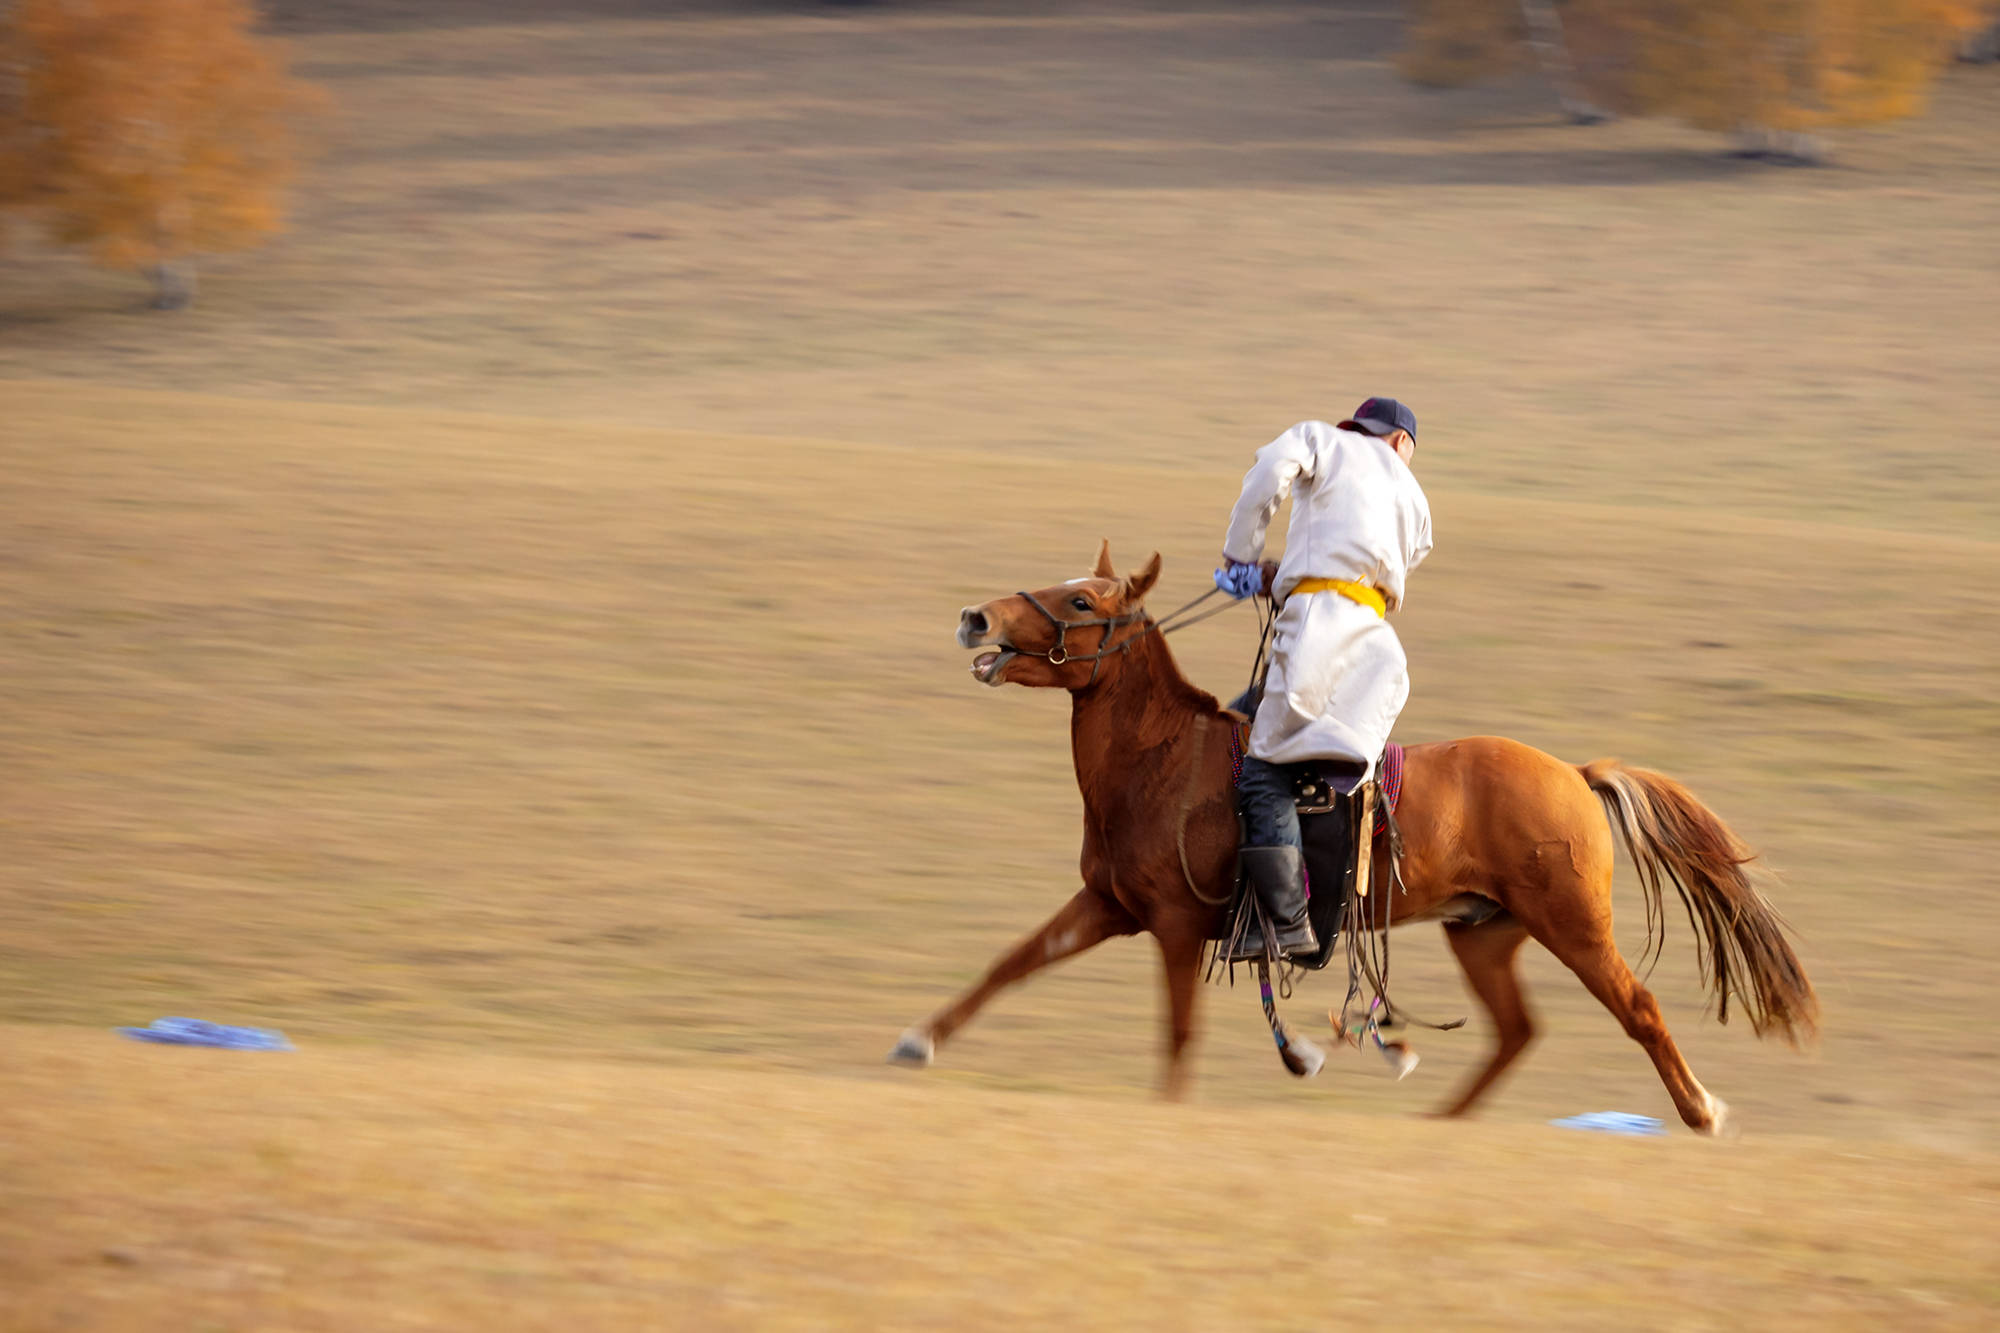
1332 803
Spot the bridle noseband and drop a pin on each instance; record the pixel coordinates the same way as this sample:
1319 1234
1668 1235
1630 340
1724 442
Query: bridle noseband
1060 653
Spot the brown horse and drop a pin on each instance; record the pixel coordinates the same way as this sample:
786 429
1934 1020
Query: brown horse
1485 821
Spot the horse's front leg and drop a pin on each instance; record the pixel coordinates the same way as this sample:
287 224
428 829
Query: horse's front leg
1180 967
1087 919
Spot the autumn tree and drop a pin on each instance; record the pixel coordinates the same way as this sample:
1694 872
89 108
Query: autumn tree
151 131
1771 72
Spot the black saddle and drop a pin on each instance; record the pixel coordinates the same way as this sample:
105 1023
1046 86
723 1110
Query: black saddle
1324 793
1328 811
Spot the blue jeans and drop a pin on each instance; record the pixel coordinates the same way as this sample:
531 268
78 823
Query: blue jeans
1270 817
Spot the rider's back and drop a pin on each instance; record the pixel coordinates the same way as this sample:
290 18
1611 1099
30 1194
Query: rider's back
1357 510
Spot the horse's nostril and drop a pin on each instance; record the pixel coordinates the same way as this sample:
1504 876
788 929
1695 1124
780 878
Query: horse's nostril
975 621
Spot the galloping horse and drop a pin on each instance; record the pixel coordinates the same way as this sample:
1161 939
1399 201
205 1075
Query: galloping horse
1485 821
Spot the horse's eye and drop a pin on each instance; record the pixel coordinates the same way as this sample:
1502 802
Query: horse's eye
1080 603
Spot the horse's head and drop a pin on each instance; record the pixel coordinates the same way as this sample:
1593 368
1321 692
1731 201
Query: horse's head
1065 636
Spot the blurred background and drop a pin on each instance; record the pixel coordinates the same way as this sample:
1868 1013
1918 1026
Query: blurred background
489 488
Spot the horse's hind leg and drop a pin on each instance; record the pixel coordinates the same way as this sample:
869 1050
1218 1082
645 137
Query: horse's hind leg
1590 953
1087 919
1487 953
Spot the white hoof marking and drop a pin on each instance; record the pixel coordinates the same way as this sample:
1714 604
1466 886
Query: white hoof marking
1301 1057
913 1050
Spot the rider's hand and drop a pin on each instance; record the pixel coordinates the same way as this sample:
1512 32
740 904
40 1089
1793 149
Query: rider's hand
1240 580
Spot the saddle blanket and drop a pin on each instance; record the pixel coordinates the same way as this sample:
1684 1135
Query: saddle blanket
1390 771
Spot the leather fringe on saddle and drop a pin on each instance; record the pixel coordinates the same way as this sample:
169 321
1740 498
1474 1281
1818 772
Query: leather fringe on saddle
1365 927
1363 931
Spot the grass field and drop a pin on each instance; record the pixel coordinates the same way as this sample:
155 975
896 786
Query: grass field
464 1190
501 636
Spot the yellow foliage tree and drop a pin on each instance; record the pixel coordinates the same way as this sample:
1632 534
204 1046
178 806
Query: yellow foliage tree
1773 71
151 131
1770 71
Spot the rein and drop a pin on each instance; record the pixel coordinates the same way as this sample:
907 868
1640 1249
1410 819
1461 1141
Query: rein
1060 653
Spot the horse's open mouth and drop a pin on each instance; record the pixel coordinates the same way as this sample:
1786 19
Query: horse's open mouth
986 667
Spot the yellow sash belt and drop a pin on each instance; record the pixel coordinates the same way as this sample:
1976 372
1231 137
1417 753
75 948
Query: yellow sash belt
1354 592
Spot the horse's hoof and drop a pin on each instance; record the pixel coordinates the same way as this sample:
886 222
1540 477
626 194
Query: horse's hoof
1401 1059
1721 1125
914 1050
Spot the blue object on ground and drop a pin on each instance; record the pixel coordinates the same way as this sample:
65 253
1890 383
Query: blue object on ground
1612 1122
194 1032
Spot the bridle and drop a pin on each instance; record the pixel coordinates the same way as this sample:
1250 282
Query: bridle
1060 653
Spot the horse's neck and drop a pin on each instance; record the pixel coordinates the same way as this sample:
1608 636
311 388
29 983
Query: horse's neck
1123 729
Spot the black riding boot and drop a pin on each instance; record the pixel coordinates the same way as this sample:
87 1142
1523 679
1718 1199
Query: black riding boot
1278 876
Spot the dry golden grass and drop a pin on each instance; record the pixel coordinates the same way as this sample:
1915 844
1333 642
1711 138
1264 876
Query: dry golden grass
349 1190
445 728
1125 234
515 613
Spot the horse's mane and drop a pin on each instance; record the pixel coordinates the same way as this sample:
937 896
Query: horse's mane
1169 685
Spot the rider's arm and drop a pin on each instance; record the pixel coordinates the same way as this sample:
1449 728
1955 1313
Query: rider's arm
1279 464
1422 546
1416 545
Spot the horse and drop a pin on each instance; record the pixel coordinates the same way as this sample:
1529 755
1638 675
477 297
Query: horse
1502 843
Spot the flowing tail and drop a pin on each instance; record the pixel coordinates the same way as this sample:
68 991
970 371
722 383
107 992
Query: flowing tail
1744 953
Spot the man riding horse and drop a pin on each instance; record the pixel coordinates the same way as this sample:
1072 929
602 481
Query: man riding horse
1338 677
1501 843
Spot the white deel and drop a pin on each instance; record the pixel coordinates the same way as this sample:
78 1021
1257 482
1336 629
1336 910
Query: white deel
1338 675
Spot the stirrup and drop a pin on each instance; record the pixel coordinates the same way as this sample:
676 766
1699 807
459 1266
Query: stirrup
1255 939
1276 878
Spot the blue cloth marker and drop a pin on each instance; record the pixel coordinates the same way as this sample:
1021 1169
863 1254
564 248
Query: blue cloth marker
1612 1122
195 1032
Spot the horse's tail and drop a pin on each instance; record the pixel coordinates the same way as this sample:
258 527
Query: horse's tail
1744 952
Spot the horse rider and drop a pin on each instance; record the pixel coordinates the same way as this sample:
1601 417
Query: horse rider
1338 676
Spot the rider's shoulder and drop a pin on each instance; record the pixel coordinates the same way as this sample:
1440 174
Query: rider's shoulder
1317 434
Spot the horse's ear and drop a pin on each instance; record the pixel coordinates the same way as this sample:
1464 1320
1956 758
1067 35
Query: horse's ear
1102 569
1137 585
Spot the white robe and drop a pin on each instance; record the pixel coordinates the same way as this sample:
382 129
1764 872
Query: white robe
1338 674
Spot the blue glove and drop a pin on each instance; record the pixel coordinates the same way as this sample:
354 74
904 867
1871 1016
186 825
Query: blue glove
1240 580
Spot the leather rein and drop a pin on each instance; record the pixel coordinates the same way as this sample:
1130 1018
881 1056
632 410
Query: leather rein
1059 652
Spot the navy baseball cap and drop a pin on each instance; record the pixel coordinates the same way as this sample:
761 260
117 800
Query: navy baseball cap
1382 416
